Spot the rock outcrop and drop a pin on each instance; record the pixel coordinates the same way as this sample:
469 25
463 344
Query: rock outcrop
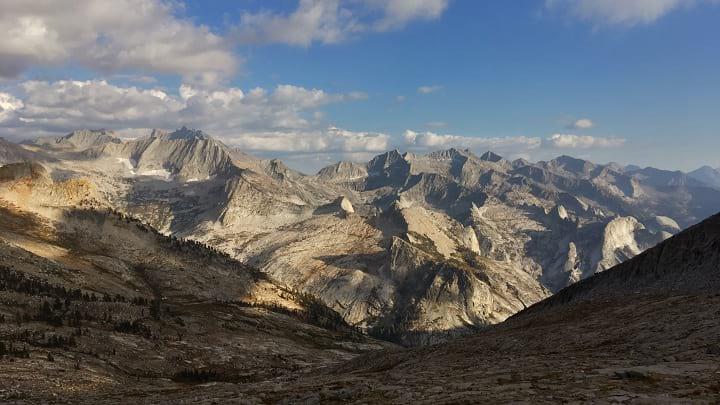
185 155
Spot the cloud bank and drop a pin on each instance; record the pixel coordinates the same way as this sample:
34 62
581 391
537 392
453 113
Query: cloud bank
569 141
110 36
426 141
431 141
285 118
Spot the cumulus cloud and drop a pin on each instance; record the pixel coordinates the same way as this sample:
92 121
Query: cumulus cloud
327 140
428 89
333 21
8 105
620 12
63 105
583 123
142 37
110 36
570 141
516 146
430 141
282 119
288 94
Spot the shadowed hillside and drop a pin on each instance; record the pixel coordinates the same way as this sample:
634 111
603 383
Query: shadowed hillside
645 331
99 302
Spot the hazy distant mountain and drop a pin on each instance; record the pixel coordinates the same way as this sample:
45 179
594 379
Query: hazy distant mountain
77 140
407 247
659 177
707 175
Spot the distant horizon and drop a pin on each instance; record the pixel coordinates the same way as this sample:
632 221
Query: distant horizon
265 155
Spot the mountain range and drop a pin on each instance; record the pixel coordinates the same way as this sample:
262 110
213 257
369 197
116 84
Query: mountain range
144 267
644 331
706 175
408 248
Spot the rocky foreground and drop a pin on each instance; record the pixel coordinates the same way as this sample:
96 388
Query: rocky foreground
650 350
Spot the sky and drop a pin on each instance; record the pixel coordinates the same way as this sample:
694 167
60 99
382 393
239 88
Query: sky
316 81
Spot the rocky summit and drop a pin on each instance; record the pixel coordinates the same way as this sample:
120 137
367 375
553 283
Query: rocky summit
171 260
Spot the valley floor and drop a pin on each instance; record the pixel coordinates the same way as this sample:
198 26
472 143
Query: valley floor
651 349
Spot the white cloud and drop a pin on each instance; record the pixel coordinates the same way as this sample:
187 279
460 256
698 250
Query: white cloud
313 21
570 141
333 21
140 38
400 99
620 12
65 105
428 89
288 94
583 123
110 36
8 105
508 146
431 141
283 119
313 140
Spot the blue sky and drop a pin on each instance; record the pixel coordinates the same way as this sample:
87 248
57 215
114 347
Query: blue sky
633 81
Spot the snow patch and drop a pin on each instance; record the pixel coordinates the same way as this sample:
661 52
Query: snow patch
196 179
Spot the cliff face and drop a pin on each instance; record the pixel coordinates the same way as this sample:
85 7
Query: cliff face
687 263
184 154
343 172
436 300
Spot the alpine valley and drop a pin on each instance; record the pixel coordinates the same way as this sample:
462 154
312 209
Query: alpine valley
174 258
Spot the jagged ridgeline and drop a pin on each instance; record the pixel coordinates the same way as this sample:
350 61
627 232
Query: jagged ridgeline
407 247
